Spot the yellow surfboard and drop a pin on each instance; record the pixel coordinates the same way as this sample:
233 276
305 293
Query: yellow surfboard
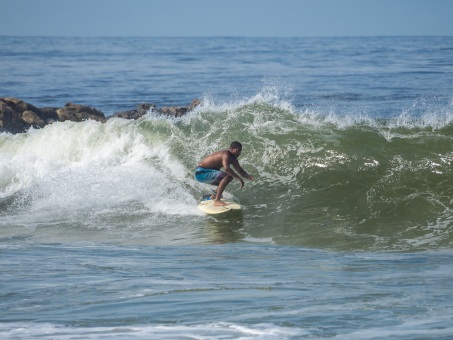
207 206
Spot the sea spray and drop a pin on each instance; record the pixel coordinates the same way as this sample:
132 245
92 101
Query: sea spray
372 182
90 174
323 180
351 150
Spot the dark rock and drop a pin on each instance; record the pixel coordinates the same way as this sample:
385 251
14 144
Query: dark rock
49 114
79 113
179 111
9 119
18 116
194 104
19 105
140 111
175 111
32 119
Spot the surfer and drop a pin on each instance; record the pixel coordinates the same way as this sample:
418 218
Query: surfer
208 170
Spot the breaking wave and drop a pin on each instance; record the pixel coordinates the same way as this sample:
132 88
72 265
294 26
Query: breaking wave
323 179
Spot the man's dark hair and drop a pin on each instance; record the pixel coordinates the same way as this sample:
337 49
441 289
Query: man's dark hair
235 145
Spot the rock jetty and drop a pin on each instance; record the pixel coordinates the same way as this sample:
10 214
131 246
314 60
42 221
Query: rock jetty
17 116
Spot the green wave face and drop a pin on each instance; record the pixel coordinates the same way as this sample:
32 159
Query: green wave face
321 180
332 181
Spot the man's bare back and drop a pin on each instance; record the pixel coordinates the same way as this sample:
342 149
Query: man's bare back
218 160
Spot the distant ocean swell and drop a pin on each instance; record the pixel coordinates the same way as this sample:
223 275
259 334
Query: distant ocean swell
325 180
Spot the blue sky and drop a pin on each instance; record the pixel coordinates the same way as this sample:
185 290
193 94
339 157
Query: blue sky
249 18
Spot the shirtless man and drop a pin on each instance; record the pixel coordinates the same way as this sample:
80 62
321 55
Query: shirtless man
208 170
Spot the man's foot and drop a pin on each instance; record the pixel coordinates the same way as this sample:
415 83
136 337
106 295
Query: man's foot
220 204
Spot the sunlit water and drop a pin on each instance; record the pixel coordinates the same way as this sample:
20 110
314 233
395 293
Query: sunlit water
345 233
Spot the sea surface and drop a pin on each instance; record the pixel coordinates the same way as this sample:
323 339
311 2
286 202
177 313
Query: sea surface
345 233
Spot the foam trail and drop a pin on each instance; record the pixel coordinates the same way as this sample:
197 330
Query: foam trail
69 167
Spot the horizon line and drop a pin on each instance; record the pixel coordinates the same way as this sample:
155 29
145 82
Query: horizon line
224 36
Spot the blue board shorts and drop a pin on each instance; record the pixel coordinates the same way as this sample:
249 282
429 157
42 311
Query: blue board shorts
209 176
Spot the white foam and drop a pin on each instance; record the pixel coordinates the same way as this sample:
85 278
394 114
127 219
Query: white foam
220 330
427 328
72 167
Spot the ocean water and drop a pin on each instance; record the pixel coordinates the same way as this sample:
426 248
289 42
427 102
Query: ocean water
345 233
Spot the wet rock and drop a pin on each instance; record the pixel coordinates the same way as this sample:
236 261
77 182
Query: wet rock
194 104
179 111
139 112
142 109
32 119
17 116
175 111
8 117
50 114
79 113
